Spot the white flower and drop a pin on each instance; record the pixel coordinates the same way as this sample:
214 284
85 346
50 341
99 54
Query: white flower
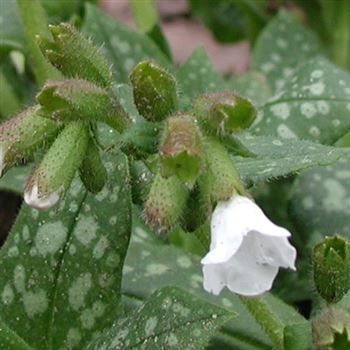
246 249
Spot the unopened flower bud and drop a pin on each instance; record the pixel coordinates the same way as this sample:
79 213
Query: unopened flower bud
56 171
22 135
154 91
221 180
224 112
181 149
92 172
80 99
331 329
331 267
74 55
165 203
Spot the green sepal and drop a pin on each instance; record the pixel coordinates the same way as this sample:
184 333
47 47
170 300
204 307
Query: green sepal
181 149
221 180
224 112
165 203
74 55
92 172
24 134
73 99
331 268
51 179
154 91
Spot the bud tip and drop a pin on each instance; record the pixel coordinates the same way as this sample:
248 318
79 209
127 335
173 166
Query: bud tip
44 202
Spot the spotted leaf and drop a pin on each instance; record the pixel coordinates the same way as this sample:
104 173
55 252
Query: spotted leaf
61 270
320 202
276 158
314 105
170 319
123 47
151 265
253 85
15 179
281 37
198 76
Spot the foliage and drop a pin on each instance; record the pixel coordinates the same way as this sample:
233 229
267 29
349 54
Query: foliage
131 169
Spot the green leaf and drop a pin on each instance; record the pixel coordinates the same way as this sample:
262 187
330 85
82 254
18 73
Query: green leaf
147 18
122 46
283 44
150 265
253 85
276 158
224 19
11 33
15 179
314 105
171 319
9 340
61 270
320 202
298 336
198 76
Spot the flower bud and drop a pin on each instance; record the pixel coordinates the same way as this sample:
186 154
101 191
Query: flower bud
165 203
224 112
55 173
181 149
74 55
80 99
221 180
331 267
92 172
329 328
154 91
22 135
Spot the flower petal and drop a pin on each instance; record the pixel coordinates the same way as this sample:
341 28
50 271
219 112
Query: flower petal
246 276
214 278
274 251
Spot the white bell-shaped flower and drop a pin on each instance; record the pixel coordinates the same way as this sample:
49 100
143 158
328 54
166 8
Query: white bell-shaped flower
246 249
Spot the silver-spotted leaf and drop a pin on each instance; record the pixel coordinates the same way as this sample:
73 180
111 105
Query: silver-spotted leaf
281 37
170 319
198 76
320 202
61 270
276 158
122 46
314 104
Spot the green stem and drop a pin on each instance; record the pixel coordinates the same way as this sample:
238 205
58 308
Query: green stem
267 320
34 22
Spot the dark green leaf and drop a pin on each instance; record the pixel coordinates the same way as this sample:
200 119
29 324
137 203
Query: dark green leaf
15 179
151 265
198 76
276 158
283 44
122 46
314 104
61 270
320 203
253 85
171 319
11 33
